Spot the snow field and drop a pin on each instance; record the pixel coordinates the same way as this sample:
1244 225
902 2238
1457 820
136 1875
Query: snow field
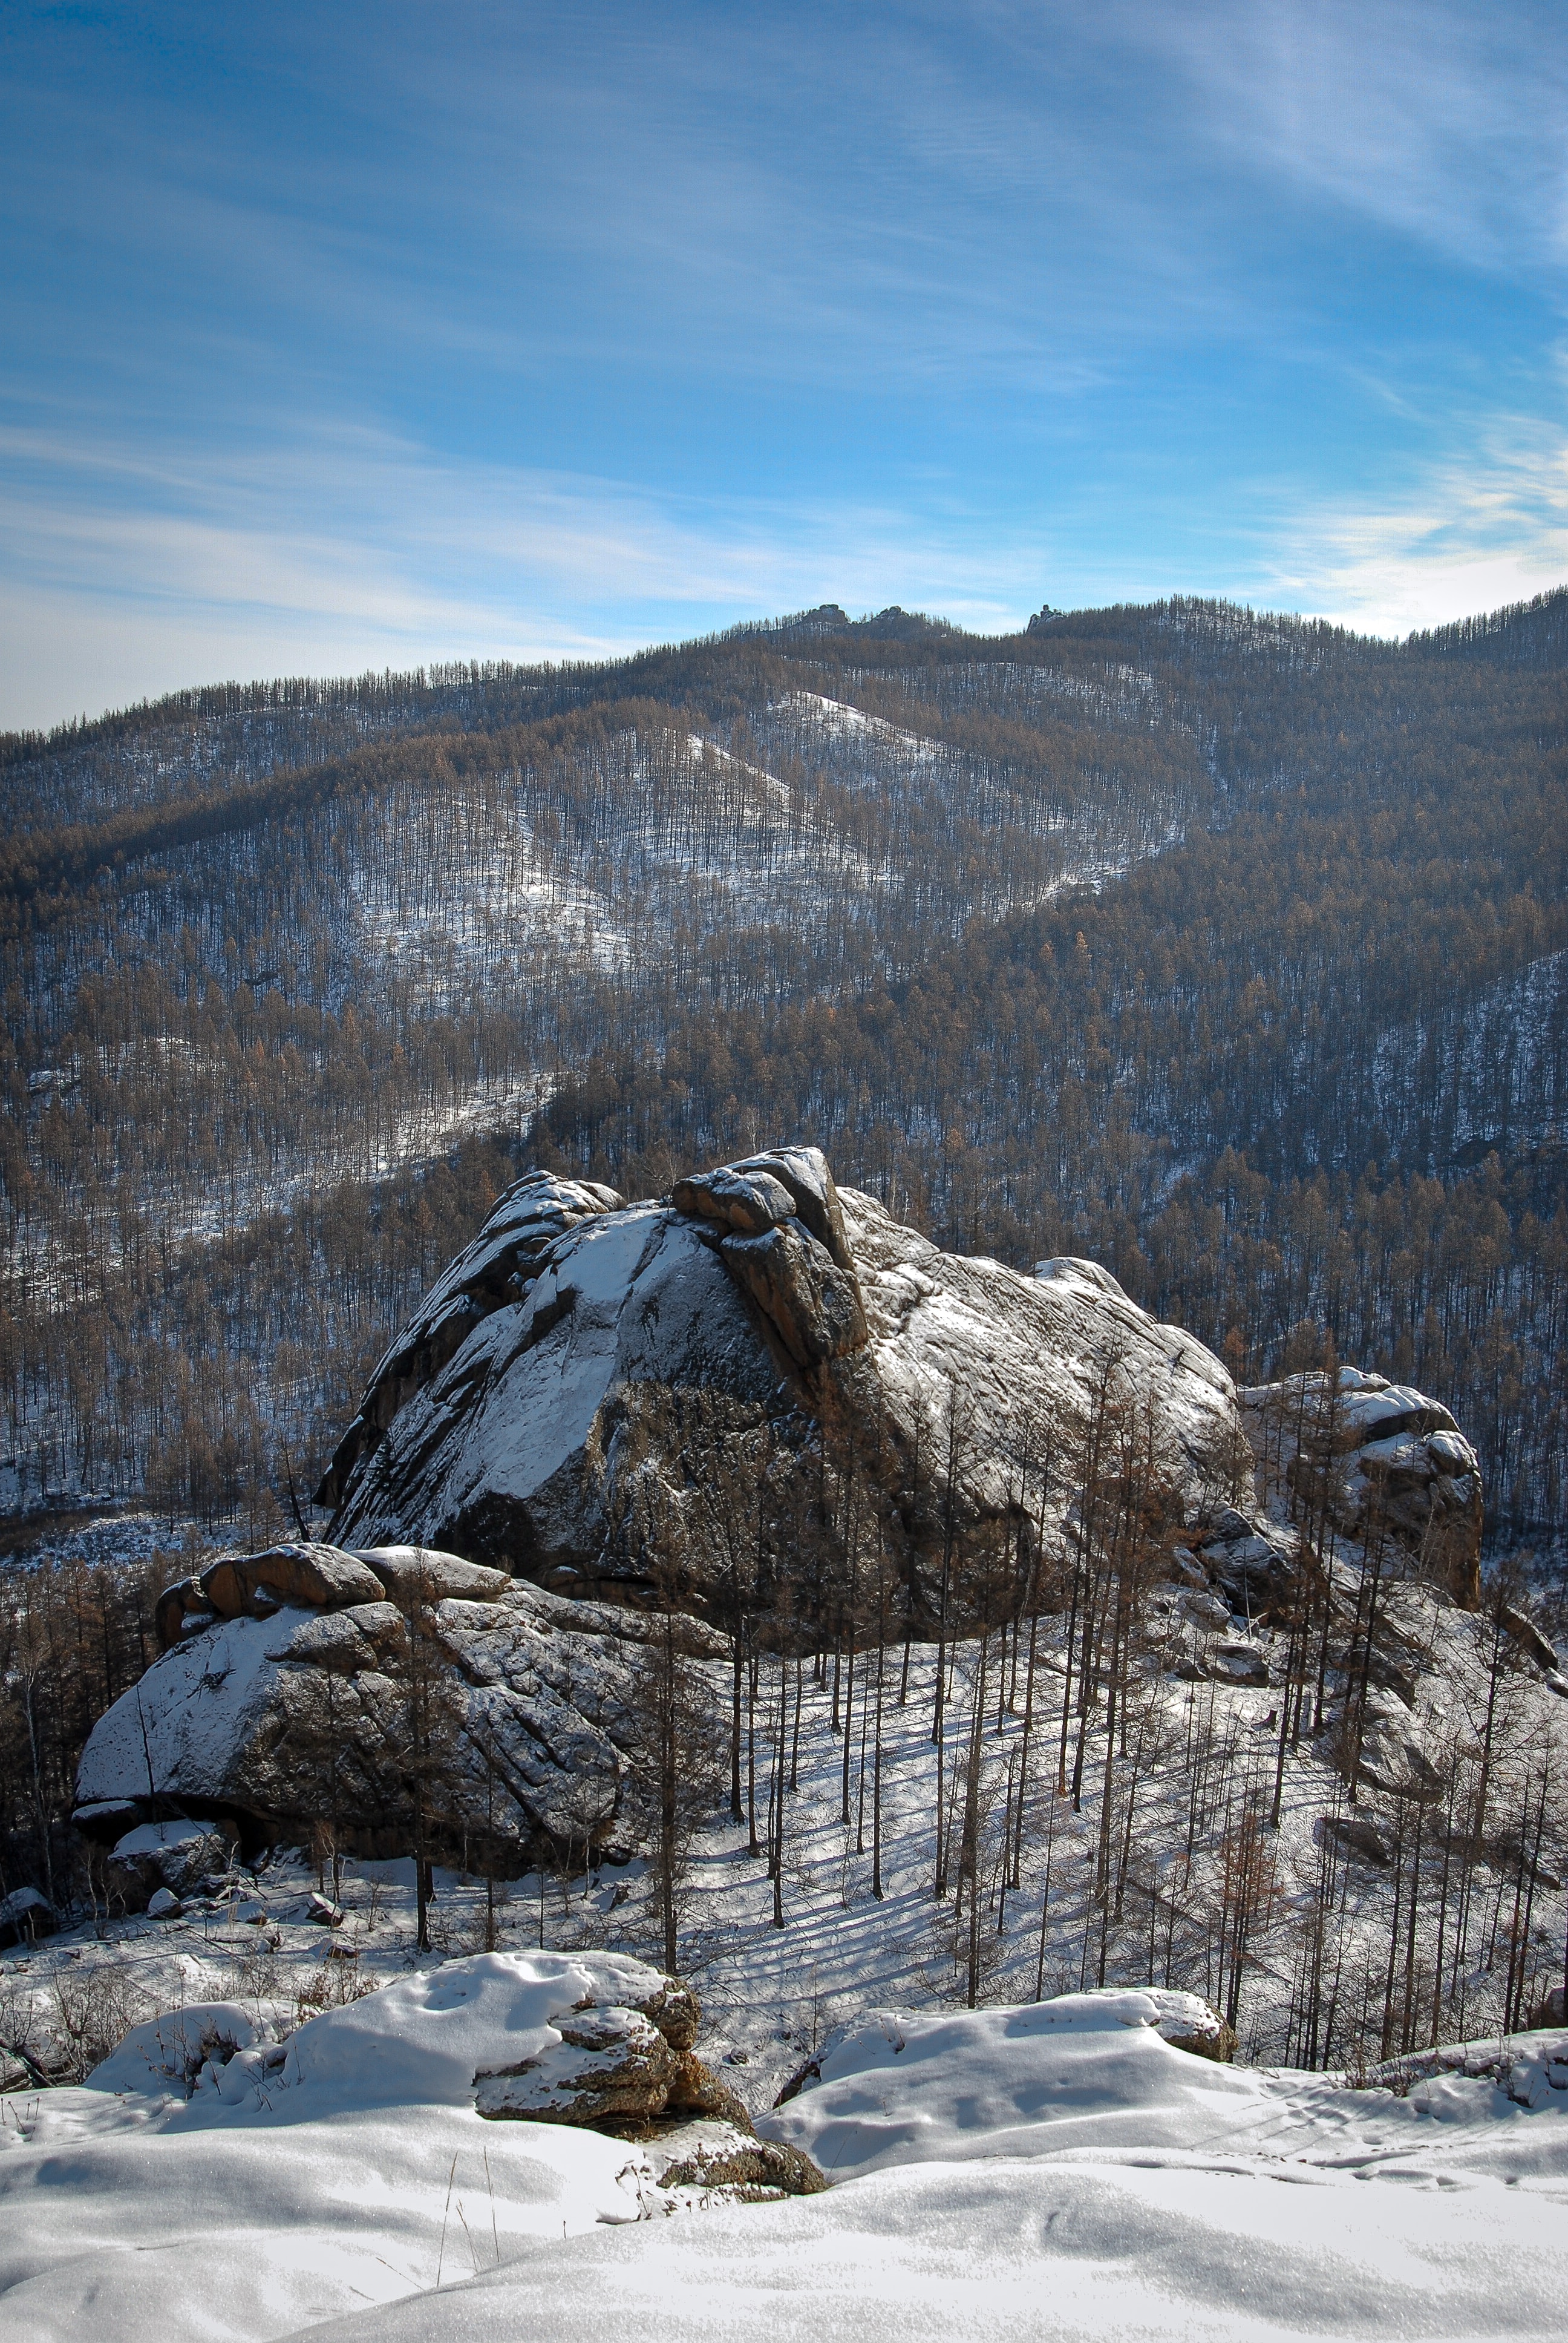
1057 2170
1141 2250
294 2182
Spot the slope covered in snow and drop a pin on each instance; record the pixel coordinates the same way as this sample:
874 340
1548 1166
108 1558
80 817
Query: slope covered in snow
1060 2171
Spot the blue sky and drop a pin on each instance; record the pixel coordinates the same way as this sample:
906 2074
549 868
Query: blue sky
342 337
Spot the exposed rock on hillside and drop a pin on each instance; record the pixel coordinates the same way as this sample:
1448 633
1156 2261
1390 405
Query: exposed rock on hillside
271 1722
701 1393
168 1858
315 1577
1375 1459
501 1265
681 1357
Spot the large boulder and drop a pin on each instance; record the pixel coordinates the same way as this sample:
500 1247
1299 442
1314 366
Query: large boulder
623 2061
596 2040
515 1708
660 1381
1377 1461
164 1858
608 2066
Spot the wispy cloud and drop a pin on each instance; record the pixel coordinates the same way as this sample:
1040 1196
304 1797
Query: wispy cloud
1474 534
510 331
1435 117
125 570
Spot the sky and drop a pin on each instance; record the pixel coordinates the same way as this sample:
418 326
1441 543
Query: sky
338 337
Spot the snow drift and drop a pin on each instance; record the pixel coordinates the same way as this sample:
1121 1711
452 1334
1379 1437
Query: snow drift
1057 2170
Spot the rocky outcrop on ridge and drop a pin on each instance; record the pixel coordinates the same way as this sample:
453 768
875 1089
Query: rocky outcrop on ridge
595 1391
1375 1459
264 1716
499 1266
696 1349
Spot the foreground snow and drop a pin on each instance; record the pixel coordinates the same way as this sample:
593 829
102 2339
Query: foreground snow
1059 2170
296 2183
1062 2171
1140 2248
1090 2076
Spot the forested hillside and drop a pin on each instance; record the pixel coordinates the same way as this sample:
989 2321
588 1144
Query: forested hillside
1229 949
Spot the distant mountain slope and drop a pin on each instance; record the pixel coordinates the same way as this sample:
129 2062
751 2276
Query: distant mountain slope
1142 934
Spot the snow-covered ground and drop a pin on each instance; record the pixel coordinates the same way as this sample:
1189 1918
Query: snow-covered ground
1046 2163
1059 2170
209 2182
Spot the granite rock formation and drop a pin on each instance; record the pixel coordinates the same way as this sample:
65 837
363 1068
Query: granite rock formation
692 1354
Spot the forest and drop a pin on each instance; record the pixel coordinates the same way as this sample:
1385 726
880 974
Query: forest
1058 1773
1227 949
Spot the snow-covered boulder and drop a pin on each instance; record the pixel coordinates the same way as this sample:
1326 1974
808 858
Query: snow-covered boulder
1086 2071
163 1857
438 2036
608 2066
696 1346
25 1915
596 2041
265 1725
708 2153
1382 1459
315 1577
179 2053
501 1264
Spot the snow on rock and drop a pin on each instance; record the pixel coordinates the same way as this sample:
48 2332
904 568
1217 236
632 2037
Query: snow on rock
247 1719
168 2057
609 2064
505 1453
502 1263
162 1859
1091 2071
312 1577
425 2040
25 1915
1088 2070
719 1327
1380 1457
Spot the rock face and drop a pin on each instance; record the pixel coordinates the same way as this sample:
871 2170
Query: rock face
499 1266
1377 1460
268 1722
317 1578
689 1358
614 2069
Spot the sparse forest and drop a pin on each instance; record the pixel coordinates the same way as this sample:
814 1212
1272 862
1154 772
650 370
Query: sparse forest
1064 1784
